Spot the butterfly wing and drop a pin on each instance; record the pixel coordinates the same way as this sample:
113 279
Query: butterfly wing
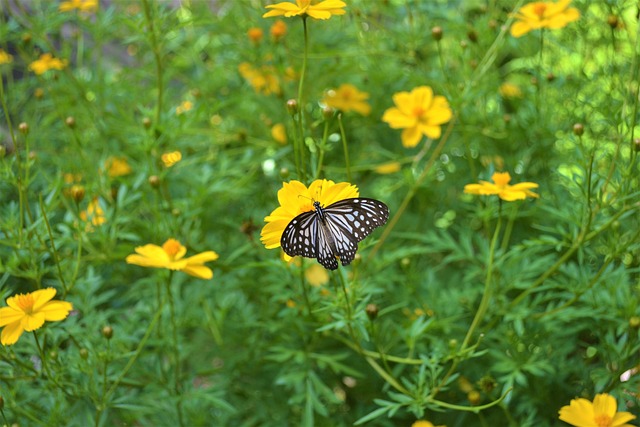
349 221
300 235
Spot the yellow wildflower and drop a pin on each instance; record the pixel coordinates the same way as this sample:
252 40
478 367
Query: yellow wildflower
255 34
601 413
388 168
47 62
28 312
171 256
117 166
543 14
88 6
170 159
510 90
419 113
423 423
184 107
323 10
278 30
94 214
316 275
279 133
502 189
5 58
347 98
263 80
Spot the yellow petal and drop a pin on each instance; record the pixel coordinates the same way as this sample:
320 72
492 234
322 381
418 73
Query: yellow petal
153 252
520 28
422 97
432 132
146 262
604 404
411 137
199 271
621 418
32 321
10 315
202 258
398 119
11 333
41 297
56 310
404 102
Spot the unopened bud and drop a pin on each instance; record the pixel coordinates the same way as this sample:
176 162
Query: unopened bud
551 77
154 181
70 121
24 128
578 129
436 33
284 173
634 322
107 332
636 144
327 112
84 353
77 193
613 21
473 36
146 122
292 106
474 397
372 311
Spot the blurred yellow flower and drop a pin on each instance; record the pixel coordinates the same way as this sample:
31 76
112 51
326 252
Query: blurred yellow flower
94 214
316 275
502 189
28 312
5 58
47 62
88 6
117 166
419 113
388 168
347 98
323 10
601 413
255 34
543 14
184 107
510 90
278 30
171 256
279 133
295 198
423 423
263 81
170 159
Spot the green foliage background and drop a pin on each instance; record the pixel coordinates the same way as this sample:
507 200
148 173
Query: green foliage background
560 279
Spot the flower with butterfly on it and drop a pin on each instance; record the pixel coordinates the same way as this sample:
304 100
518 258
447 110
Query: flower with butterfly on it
324 221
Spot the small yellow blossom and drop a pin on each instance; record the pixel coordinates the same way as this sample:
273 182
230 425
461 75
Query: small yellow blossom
255 34
88 6
502 189
263 80
291 303
117 166
316 275
295 198
510 90
347 98
70 178
5 58
543 14
171 256
28 312
170 159
601 413
322 10
419 113
184 107
279 133
388 168
278 30
47 62
94 215
423 423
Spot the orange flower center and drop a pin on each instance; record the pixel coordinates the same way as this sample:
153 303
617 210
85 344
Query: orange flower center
539 9
603 420
25 302
171 247
418 112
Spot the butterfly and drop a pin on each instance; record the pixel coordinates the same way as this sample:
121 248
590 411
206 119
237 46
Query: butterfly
333 231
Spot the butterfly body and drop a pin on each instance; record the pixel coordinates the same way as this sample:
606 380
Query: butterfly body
333 231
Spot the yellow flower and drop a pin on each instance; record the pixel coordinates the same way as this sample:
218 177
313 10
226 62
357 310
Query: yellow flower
316 275
502 189
117 166
170 159
47 62
170 255
347 98
601 413
423 423
5 58
278 30
388 168
419 113
323 10
88 6
255 34
279 133
295 198
510 90
184 107
542 14
263 81
94 214
28 312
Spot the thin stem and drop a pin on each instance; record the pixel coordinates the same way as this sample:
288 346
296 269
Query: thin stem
54 252
45 365
158 60
321 148
176 348
300 140
345 147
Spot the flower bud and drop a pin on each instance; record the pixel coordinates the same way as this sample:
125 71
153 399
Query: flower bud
32 155
107 332
70 121
613 21
636 144
292 106
154 181
284 173
487 384
26 38
84 353
372 311
38 93
24 128
472 36
634 322
436 33
327 112
493 24
474 397
578 129
551 77
146 122
77 193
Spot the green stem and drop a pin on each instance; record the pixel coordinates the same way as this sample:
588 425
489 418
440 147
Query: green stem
158 60
300 140
54 252
45 365
176 348
345 147
321 148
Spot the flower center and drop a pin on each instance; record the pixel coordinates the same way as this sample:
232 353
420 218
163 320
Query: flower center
418 112
304 5
603 420
539 9
25 302
171 247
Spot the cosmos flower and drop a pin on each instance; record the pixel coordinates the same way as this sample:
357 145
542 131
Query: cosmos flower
543 14
603 412
47 62
347 98
500 187
323 10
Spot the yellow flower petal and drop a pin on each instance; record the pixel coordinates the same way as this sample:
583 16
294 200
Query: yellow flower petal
56 310
411 137
10 315
32 321
199 271
11 333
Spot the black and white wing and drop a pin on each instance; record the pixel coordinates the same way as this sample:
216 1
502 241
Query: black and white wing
349 221
300 235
